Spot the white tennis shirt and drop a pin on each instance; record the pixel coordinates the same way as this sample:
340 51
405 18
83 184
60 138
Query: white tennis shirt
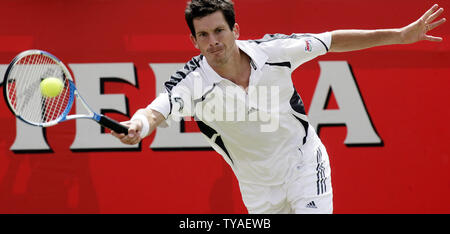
255 130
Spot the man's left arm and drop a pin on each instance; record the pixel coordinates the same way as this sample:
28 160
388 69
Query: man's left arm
350 40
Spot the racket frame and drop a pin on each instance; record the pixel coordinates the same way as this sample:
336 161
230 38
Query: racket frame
73 92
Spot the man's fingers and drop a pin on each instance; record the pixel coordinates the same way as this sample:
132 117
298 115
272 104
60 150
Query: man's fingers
429 12
132 137
434 15
132 132
118 135
428 19
131 140
431 38
435 24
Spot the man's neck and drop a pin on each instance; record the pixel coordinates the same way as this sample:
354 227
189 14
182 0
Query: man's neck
237 69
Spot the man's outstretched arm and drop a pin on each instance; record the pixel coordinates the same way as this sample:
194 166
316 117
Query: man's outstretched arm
153 118
349 40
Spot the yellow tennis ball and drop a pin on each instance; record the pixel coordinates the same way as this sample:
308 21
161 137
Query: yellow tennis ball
51 87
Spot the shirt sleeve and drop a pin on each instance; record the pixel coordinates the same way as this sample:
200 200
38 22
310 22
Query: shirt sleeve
301 48
177 100
176 103
162 105
181 99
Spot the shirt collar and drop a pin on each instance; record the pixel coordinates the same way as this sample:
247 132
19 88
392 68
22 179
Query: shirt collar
257 59
257 56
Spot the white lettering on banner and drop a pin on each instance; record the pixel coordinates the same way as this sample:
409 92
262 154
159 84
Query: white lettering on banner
3 68
28 138
335 75
88 81
338 77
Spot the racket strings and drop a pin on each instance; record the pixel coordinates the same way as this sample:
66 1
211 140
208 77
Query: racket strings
24 94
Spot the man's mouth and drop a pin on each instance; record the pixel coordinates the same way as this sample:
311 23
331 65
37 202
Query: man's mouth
215 51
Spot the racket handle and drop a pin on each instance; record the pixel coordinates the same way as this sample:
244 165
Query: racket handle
113 125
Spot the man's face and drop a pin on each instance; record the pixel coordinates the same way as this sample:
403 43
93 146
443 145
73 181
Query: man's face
214 38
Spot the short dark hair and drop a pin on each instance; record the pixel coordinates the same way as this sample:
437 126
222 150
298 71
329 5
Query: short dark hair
201 8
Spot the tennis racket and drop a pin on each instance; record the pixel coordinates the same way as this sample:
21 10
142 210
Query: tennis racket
24 98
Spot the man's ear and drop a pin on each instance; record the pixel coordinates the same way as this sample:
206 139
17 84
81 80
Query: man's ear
194 41
236 31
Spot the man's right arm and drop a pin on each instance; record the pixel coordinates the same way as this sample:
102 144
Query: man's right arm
177 101
137 124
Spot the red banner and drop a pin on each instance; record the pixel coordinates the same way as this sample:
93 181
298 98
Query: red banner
118 52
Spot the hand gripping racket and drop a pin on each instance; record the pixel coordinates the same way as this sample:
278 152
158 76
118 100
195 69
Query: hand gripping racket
23 94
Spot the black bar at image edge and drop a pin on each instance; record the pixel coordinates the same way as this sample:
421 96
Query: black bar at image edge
224 223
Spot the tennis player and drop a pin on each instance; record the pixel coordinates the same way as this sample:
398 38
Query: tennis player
243 99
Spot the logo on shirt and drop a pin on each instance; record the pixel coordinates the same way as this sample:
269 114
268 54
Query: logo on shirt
308 45
179 101
312 204
251 110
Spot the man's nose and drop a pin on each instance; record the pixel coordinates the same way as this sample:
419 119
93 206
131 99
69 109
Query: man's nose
213 40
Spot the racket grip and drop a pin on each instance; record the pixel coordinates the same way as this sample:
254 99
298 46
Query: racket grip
113 125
